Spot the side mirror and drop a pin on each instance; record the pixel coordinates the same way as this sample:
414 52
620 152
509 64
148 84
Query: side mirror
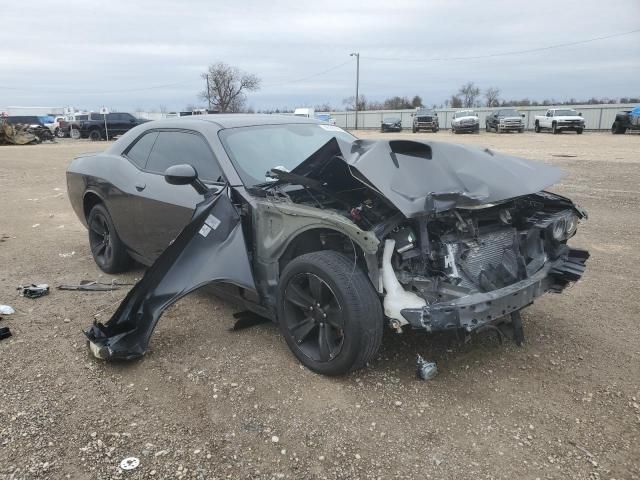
132 120
522 115
185 174
580 114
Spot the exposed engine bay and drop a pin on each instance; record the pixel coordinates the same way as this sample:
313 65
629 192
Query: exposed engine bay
450 250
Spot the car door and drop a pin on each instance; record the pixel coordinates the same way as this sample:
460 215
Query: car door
165 209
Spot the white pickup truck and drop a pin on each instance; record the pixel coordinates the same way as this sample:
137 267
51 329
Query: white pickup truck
559 119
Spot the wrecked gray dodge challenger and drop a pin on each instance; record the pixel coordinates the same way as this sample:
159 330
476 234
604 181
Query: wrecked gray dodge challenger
330 236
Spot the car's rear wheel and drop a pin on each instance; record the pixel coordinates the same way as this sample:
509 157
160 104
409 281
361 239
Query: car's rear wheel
554 129
329 313
74 133
107 249
59 133
94 135
579 131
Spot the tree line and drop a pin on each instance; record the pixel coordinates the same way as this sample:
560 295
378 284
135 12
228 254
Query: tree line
227 87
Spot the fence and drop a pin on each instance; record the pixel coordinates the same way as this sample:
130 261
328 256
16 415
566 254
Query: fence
596 117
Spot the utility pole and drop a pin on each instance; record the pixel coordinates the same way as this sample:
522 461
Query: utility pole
357 55
208 92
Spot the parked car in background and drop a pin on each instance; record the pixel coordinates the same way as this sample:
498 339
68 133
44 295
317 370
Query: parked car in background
465 121
505 120
391 124
627 120
425 119
325 117
560 119
116 124
304 112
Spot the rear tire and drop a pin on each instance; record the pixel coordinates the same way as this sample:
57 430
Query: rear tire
486 127
107 249
95 135
345 331
414 129
74 133
616 129
520 130
554 129
579 131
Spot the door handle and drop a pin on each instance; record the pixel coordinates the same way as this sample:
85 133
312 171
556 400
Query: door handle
141 186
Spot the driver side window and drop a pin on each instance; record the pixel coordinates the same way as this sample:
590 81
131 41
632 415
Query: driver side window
176 147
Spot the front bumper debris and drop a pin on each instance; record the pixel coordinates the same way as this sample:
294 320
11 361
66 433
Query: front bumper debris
478 309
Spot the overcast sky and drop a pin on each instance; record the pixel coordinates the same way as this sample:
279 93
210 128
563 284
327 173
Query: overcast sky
146 53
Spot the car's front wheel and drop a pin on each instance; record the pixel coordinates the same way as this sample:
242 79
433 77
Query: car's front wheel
95 135
107 249
329 313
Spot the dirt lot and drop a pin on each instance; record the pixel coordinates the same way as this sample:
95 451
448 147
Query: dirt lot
210 403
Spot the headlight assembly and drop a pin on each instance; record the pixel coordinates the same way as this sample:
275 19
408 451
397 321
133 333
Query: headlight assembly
558 230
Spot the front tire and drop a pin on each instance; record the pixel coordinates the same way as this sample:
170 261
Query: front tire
94 135
554 129
537 128
414 129
579 131
74 133
107 249
329 313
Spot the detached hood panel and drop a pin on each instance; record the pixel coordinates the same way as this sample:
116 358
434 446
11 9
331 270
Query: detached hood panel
428 177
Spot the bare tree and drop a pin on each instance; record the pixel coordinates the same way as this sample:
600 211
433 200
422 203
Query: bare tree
349 103
455 102
492 96
469 93
227 87
416 102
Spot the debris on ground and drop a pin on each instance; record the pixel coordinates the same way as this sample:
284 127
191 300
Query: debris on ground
94 286
67 255
34 290
6 310
129 463
425 370
4 333
17 134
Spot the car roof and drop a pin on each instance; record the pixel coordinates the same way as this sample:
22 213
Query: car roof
232 120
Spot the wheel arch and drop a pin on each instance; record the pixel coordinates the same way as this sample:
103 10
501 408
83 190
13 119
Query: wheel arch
317 238
90 200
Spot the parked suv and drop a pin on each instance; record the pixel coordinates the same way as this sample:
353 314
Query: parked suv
425 119
116 123
505 120
465 121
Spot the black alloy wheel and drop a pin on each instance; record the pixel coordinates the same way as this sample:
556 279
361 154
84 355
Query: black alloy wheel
107 249
329 313
314 317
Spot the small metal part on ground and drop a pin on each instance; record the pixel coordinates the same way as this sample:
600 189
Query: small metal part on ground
94 286
34 290
425 370
6 310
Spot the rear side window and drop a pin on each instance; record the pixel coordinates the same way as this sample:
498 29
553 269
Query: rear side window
139 151
174 148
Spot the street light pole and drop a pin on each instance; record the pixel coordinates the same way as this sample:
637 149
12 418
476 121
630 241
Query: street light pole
357 55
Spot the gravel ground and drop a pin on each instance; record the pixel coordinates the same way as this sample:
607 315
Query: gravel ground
210 403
